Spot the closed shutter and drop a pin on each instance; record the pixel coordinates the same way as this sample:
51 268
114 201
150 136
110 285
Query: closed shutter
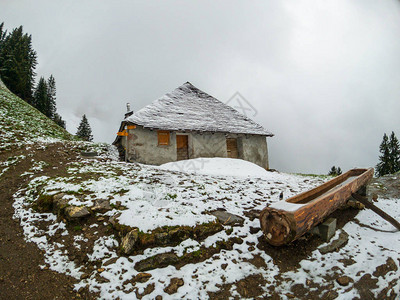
163 138
231 147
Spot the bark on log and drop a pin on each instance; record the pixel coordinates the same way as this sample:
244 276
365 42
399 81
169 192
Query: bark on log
287 220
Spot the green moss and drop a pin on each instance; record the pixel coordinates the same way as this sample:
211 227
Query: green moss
229 231
77 228
171 196
44 203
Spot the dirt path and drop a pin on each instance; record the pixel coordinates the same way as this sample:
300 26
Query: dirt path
20 274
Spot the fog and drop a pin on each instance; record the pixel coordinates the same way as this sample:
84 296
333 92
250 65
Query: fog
323 76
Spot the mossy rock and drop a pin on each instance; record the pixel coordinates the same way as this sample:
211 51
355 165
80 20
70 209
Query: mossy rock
44 203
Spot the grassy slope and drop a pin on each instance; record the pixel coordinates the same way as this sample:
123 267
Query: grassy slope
20 123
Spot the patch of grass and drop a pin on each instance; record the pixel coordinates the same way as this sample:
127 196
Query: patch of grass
171 196
77 228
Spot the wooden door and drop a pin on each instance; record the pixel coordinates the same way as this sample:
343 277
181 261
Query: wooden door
231 147
182 151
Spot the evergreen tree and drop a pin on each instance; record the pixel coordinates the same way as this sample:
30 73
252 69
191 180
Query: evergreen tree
384 165
84 130
3 34
18 61
335 171
394 149
58 120
51 97
40 97
339 171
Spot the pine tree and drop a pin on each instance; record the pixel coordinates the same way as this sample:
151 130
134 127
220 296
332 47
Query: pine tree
51 97
58 120
339 171
18 61
3 34
84 130
335 171
40 97
384 165
332 171
394 149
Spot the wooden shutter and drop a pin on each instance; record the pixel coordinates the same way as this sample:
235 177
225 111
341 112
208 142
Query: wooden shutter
231 145
163 138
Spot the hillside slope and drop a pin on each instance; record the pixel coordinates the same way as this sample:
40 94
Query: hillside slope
21 124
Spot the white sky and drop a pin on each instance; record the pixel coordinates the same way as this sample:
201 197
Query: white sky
323 76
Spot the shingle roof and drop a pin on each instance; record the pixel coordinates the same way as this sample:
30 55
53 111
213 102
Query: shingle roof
188 108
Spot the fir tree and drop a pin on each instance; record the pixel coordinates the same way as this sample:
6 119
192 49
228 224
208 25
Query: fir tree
40 97
84 130
384 165
18 61
394 149
51 97
3 34
335 171
59 121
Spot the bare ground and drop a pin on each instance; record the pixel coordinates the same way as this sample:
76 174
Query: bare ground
22 278
20 274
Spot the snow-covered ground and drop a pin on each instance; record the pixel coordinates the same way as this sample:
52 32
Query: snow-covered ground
182 193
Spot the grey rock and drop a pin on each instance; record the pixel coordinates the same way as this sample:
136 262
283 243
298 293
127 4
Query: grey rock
59 201
76 212
129 241
157 261
114 219
101 205
227 218
335 244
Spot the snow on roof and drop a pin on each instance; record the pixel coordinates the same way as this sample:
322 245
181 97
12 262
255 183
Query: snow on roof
188 108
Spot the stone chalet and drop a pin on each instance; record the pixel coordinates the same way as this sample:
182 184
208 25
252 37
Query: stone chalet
188 123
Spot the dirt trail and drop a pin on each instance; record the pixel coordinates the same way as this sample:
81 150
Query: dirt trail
20 274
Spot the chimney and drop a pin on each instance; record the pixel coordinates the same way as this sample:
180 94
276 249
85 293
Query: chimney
129 112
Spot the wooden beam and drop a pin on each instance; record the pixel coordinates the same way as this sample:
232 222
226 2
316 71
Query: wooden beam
377 210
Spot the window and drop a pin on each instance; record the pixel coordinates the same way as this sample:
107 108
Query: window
163 138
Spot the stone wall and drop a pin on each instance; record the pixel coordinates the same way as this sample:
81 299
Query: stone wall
143 146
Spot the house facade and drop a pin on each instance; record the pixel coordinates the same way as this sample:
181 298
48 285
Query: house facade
188 123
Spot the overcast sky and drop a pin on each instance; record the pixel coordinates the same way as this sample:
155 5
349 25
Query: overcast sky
323 76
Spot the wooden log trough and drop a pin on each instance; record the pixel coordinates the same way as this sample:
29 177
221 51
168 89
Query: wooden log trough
287 220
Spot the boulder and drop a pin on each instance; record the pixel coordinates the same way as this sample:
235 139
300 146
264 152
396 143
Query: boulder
129 241
336 244
101 205
157 261
227 218
59 202
76 212
114 220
